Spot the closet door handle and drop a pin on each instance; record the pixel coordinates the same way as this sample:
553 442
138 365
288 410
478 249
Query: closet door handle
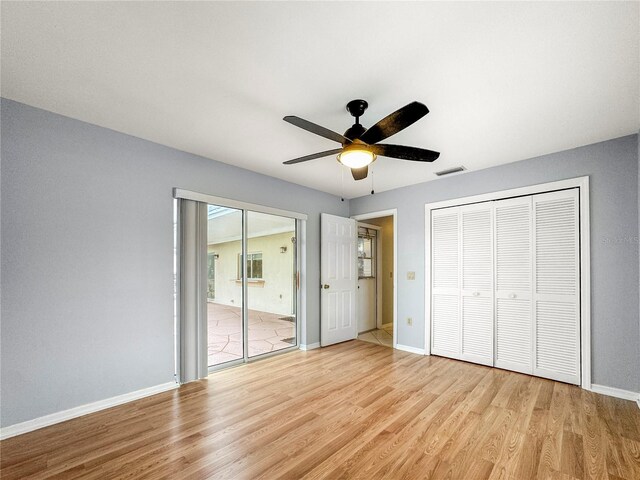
512 295
476 294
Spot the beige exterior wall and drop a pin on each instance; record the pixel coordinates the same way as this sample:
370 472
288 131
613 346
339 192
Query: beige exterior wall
275 293
385 265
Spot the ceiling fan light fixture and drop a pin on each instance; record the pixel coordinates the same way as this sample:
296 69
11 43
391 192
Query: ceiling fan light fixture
356 157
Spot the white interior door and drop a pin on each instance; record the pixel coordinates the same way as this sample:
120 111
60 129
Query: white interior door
513 285
556 296
338 276
476 292
445 292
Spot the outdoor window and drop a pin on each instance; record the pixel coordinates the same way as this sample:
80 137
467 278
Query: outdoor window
366 248
254 266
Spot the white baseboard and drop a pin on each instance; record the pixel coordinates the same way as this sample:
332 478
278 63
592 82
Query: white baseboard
406 348
616 392
53 418
310 346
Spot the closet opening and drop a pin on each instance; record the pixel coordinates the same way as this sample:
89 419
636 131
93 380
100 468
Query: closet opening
507 280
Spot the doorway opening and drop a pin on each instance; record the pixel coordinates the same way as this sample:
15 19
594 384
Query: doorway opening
376 294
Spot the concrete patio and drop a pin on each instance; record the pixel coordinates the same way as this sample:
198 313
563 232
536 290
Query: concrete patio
266 333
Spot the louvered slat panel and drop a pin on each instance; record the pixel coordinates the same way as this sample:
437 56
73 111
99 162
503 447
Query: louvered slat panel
446 333
477 327
477 261
445 249
513 266
445 307
513 246
556 242
556 341
513 334
557 286
476 223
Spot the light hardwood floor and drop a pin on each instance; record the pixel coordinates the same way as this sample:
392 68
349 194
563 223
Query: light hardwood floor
354 410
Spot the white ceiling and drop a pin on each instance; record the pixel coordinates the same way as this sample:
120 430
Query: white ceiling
503 81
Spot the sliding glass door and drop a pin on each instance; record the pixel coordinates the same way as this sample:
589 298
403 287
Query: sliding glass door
251 284
225 338
271 283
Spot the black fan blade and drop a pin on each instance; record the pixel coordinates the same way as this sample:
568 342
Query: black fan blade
317 129
392 124
405 153
313 156
360 173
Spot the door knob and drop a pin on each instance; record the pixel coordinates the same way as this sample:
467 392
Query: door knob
326 286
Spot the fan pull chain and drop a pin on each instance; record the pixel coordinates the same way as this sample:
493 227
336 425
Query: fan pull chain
372 190
342 173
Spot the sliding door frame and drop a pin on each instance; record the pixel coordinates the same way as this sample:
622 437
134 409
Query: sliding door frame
582 184
299 260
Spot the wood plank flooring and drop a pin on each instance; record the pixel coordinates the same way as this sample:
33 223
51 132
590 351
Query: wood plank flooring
352 411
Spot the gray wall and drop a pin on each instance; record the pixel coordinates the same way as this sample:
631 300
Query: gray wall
87 257
613 170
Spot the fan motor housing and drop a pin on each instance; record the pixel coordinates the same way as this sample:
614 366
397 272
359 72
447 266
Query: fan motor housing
355 131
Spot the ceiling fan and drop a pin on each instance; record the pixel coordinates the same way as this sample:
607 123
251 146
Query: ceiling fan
360 146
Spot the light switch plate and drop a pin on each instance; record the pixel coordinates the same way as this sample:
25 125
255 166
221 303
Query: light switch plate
411 275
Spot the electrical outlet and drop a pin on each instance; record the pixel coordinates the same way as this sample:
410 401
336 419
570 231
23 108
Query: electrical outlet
409 321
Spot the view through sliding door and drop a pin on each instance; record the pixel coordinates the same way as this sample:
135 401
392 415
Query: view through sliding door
271 283
251 284
225 329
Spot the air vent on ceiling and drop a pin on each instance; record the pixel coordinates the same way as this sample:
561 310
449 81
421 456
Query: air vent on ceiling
450 170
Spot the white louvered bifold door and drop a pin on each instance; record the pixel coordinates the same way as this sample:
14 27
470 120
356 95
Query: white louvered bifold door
513 285
557 286
445 285
476 293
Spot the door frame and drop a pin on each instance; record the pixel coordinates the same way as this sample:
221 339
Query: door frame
378 284
582 183
393 212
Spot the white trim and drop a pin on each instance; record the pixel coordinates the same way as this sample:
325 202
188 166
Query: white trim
513 192
53 418
228 202
301 294
407 348
582 183
369 225
616 392
311 346
585 281
386 213
379 279
427 280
